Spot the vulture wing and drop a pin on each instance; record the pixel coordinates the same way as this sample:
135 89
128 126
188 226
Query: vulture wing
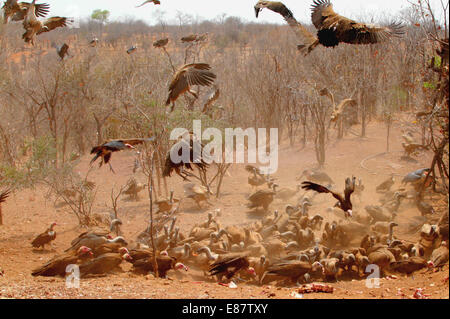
53 23
321 189
41 10
349 188
4 195
333 28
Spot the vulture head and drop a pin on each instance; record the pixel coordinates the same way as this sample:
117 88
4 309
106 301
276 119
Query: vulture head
123 250
180 266
349 213
83 250
127 257
251 271
316 266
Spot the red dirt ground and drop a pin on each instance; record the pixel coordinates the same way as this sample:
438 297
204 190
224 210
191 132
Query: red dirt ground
27 213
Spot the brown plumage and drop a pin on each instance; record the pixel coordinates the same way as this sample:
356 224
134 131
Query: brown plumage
261 198
57 265
155 2
344 202
176 154
412 148
18 10
410 265
143 262
189 75
333 28
63 51
103 264
34 27
310 41
161 43
293 270
439 256
46 237
228 265
189 38
196 192
212 97
386 185
106 149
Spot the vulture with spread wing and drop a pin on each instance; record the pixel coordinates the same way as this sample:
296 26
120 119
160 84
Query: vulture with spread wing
106 149
155 2
34 27
187 76
332 28
18 10
344 202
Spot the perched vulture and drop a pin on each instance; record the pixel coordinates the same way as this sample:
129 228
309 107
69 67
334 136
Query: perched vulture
57 265
165 205
189 75
161 43
176 161
410 265
332 28
230 264
262 198
35 27
343 203
94 42
18 11
106 149
44 238
164 262
293 270
197 192
103 263
189 38
93 241
155 2
63 50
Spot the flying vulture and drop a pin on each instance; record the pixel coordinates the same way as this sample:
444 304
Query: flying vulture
155 2
106 149
187 76
18 11
35 27
332 28
343 203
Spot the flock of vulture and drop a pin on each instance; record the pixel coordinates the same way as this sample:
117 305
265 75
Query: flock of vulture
289 246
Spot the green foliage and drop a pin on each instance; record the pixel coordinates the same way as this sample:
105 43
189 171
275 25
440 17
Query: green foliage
429 85
100 15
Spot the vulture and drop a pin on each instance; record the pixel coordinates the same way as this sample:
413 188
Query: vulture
34 27
94 42
187 76
103 264
410 265
132 49
412 148
93 240
337 109
439 256
161 43
228 265
165 205
442 226
386 185
57 265
133 188
262 198
415 177
18 10
189 38
293 270
106 149
197 192
343 203
212 97
109 247
332 28
256 179
155 2
63 50
46 237
176 161
164 262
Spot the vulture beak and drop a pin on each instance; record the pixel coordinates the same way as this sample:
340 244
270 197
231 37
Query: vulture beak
251 271
129 146
257 10
430 264
180 266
